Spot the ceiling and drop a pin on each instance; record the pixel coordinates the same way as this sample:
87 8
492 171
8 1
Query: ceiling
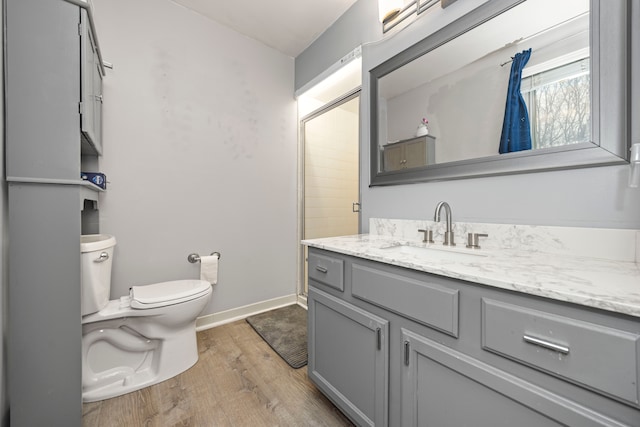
288 26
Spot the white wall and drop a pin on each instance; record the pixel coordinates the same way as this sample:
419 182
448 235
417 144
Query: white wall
591 197
200 152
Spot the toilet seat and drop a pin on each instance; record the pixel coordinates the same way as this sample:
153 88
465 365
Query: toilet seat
167 293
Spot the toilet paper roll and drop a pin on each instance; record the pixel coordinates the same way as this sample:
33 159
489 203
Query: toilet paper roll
209 268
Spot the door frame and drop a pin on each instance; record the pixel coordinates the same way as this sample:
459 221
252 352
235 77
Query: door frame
343 99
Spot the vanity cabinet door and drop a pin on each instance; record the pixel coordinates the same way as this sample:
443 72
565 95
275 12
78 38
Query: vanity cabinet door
445 388
91 89
348 357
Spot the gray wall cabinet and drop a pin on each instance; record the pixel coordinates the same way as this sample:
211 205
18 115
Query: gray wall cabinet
91 88
464 354
46 196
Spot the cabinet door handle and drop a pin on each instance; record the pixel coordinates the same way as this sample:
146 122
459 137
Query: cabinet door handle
546 344
321 269
379 338
407 347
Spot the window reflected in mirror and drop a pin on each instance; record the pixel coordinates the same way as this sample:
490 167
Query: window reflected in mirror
559 104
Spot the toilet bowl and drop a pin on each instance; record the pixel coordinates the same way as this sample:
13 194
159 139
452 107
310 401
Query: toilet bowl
137 340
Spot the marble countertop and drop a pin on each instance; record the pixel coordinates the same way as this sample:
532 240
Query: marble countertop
606 284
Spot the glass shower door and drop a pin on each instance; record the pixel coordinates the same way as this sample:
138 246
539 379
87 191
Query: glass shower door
331 198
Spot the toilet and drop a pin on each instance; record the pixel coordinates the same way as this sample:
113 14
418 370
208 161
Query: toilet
137 340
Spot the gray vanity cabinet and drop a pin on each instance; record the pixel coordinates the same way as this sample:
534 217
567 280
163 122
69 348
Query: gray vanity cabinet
348 357
463 354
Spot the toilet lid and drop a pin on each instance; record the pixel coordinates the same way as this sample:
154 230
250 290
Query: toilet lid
167 293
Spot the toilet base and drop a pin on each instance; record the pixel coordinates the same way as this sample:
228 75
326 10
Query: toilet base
118 360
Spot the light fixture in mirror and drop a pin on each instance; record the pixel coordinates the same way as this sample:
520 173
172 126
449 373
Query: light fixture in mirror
457 80
388 9
392 12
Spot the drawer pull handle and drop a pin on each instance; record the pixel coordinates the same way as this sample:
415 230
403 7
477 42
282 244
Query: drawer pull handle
546 344
321 269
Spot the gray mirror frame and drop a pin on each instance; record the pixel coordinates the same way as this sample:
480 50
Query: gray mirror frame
610 103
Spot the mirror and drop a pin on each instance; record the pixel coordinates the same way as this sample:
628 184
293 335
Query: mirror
574 87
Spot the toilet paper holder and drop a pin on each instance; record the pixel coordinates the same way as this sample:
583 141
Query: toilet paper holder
193 258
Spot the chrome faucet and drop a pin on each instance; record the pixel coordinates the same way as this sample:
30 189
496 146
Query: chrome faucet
448 235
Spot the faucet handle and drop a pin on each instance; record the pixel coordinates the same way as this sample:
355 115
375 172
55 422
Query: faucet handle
472 240
428 235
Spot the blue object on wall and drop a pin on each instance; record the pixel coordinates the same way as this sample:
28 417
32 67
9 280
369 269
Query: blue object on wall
516 130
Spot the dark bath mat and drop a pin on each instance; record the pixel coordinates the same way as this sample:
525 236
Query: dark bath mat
285 330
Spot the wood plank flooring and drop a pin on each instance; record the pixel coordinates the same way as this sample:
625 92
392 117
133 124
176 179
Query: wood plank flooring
238 381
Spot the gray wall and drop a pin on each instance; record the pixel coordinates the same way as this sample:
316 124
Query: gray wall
347 33
199 152
4 279
592 197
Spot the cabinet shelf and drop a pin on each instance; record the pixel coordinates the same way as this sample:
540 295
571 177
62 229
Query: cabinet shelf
89 191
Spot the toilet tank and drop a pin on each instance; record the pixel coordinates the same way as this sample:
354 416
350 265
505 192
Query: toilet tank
97 256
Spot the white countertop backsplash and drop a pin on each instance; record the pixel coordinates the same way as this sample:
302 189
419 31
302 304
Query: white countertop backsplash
605 243
592 267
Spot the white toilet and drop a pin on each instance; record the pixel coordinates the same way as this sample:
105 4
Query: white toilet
138 340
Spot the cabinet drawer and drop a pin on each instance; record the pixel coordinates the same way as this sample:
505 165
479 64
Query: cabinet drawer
599 357
429 304
327 270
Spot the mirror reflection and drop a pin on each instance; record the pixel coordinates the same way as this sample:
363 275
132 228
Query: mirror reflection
485 94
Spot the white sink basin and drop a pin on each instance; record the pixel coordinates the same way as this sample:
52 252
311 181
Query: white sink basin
435 253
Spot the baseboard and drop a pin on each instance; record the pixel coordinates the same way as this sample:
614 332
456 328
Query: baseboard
302 299
216 319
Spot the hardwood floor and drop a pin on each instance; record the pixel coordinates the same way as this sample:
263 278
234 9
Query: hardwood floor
238 381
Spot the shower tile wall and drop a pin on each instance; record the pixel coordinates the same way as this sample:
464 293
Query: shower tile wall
331 173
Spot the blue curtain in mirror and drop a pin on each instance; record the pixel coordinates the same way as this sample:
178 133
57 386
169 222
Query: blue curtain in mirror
516 130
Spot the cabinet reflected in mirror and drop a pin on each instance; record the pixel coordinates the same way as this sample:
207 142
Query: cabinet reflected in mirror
458 78
409 153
